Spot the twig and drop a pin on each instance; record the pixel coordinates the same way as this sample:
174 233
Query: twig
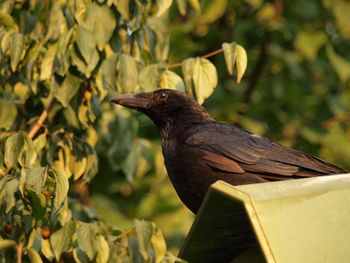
39 123
117 243
213 53
19 253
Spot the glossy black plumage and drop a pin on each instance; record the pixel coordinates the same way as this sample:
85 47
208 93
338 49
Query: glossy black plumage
199 151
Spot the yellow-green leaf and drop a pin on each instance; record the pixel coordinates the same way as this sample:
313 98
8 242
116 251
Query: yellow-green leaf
34 256
241 62
340 65
7 243
204 78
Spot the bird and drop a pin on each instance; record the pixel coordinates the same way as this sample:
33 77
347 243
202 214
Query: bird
198 151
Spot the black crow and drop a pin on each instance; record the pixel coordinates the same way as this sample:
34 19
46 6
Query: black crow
199 151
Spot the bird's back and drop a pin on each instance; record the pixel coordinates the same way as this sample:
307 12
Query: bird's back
212 151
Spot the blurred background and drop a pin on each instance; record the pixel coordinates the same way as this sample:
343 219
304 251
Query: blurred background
63 59
296 91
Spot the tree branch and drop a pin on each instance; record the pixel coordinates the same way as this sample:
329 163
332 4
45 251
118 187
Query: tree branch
213 53
39 123
19 253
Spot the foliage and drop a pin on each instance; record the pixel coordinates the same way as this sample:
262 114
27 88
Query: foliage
60 59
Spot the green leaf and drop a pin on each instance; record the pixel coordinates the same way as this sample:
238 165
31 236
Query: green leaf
182 6
33 255
341 11
150 77
340 65
61 188
47 63
22 92
144 231
79 256
128 76
46 249
7 243
123 8
83 115
19 148
17 48
86 43
7 21
14 146
308 43
103 250
36 178
106 77
163 6
196 5
62 61
101 22
67 90
171 80
61 239
87 239
7 194
8 113
57 24
40 142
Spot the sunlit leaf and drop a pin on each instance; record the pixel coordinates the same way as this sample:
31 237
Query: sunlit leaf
22 92
123 8
202 73
36 178
196 5
171 80
61 188
341 11
101 22
86 43
34 256
8 113
182 6
7 243
17 49
162 6
60 240
47 63
67 90
150 77
103 250
241 62
87 239
127 81
340 65
159 246
230 56
7 21
308 43
8 194
46 249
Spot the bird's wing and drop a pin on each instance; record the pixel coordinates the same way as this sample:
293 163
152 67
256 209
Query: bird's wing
254 154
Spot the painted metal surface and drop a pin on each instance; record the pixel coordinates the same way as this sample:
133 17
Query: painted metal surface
305 220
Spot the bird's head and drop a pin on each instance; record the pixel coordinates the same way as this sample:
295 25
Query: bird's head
164 106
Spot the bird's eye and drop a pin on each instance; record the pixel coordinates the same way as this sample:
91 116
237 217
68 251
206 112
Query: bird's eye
162 96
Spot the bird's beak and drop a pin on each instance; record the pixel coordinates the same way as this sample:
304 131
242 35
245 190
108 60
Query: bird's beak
133 101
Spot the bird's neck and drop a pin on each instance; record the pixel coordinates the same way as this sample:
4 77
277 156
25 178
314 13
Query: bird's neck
177 125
